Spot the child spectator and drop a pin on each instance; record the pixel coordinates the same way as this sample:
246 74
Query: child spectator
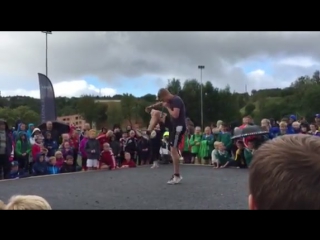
131 145
22 150
104 138
195 141
314 130
107 159
265 123
214 159
82 150
59 159
15 173
68 166
185 148
248 152
142 149
27 202
222 155
123 143
206 146
30 130
21 129
115 146
66 149
296 127
64 138
128 162
225 137
52 167
40 165
74 142
283 128
164 151
92 149
239 156
37 143
284 174
50 144
304 128
35 136
103 131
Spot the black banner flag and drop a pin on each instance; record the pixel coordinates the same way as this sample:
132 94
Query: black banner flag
47 99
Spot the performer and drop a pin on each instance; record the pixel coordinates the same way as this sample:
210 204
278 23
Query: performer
176 125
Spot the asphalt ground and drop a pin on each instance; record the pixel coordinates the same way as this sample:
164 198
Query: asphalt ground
202 188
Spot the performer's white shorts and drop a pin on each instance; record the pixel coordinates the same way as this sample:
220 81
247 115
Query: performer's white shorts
92 163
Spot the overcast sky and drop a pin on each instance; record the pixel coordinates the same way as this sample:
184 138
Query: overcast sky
141 62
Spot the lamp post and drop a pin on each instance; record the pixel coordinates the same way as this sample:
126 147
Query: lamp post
47 32
201 67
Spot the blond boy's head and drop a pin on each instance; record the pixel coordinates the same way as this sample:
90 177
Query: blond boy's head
28 202
284 174
2 205
216 144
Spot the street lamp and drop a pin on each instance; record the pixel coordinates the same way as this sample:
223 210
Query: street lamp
47 32
201 67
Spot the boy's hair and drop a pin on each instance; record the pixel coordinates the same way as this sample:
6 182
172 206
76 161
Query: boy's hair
2 205
28 202
92 131
314 124
52 158
127 153
57 152
283 124
68 157
216 143
296 123
284 174
198 128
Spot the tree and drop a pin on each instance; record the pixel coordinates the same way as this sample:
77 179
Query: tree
174 86
115 115
128 107
248 110
87 108
301 98
24 113
101 113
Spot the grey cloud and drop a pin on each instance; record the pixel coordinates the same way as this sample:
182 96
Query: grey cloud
108 55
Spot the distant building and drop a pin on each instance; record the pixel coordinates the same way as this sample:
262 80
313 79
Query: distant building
76 120
107 101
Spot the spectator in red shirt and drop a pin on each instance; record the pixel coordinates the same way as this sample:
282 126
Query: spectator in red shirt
107 159
103 131
75 143
245 121
128 162
105 138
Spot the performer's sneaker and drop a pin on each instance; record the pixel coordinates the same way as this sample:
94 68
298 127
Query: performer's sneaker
155 165
175 180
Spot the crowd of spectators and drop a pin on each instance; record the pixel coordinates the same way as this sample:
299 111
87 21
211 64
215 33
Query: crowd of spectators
27 150
215 146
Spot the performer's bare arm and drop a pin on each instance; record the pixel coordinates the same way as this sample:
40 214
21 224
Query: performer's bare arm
149 108
156 117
